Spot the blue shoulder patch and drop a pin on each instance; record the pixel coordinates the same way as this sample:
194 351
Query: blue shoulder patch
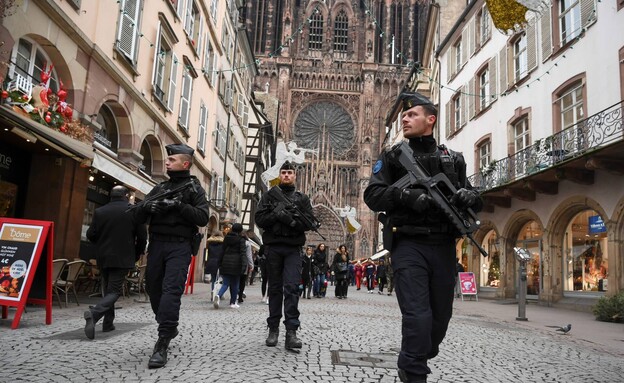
377 167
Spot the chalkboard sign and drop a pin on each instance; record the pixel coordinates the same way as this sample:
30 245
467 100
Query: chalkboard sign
21 244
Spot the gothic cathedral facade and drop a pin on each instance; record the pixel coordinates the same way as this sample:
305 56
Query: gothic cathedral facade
336 67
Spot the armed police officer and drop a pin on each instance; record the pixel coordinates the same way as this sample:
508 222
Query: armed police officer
420 236
285 215
173 232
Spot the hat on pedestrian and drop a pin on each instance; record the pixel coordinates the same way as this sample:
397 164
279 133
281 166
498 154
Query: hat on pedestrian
179 149
287 166
237 228
412 99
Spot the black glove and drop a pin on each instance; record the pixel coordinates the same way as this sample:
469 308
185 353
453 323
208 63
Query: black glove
417 199
169 204
284 214
464 198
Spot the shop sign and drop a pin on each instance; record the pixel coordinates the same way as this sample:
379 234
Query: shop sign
5 161
467 283
596 225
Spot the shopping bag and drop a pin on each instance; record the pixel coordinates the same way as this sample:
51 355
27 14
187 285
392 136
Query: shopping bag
218 284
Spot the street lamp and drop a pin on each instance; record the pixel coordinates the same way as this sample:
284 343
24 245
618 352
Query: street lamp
523 256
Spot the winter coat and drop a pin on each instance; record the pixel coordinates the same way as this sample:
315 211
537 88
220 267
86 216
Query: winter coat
340 267
306 269
320 261
234 261
215 253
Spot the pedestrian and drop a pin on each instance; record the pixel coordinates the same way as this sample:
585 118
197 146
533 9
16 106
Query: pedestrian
215 253
359 273
306 272
232 265
351 274
420 236
264 274
173 229
390 276
256 267
340 268
246 271
284 227
119 241
320 267
381 276
369 272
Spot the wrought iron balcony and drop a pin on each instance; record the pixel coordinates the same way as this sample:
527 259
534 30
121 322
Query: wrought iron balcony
590 135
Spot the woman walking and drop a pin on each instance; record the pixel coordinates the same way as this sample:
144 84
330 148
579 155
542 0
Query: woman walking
233 263
320 269
340 266
306 272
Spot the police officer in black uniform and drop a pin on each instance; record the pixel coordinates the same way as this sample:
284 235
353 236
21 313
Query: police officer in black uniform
283 238
173 225
423 258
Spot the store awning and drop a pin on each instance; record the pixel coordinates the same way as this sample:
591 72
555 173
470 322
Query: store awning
61 142
104 163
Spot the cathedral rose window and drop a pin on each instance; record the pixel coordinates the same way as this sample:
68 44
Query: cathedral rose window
324 121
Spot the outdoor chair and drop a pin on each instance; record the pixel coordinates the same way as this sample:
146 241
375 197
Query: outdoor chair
58 265
136 279
74 268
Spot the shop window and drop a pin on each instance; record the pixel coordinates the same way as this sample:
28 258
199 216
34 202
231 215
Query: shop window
490 270
530 238
146 165
107 135
28 62
586 259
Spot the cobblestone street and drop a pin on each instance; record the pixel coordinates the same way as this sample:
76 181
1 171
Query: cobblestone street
352 340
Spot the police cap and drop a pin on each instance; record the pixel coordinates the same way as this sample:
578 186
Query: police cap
412 99
287 166
179 149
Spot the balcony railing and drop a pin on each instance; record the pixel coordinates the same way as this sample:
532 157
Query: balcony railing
599 130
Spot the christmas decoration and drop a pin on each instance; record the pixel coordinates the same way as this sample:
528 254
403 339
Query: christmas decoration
508 15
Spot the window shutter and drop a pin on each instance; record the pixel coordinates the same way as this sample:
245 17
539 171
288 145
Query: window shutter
463 102
471 36
245 116
157 49
220 191
451 67
588 12
503 69
180 8
188 19
546 27
531 35
185 100
127 38
172 82
201 140
464 48
471 98
492 67
200 35
447 118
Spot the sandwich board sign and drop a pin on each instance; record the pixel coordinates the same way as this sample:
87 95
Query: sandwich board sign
26 252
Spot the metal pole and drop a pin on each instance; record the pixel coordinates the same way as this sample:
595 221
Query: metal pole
522 286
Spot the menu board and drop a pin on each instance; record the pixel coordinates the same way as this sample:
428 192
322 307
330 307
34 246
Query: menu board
467 283
18 244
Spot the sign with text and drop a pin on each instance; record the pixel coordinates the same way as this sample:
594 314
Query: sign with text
596 225
24 278
467 283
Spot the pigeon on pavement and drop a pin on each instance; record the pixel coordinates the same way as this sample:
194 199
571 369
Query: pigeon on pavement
564 330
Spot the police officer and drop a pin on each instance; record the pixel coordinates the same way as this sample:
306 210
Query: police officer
173 225
283 237
423 257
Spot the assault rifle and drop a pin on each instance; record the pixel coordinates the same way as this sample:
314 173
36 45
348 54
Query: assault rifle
440 188
312 223
164 195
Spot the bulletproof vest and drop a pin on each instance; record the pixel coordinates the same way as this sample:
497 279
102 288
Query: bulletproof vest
440 161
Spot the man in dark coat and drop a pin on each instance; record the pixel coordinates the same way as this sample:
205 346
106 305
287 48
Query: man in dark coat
119 241
174 223
420 236
283 237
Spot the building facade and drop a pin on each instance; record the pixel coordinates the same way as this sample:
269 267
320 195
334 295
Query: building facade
336 70
113 83
538 116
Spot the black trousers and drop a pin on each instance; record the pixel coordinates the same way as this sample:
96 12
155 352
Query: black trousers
165 277
342 285
284 266
113 280
424 277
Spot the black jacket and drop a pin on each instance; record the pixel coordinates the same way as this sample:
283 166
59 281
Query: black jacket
320 261
306 269
215 253
119 239
182 222
276 232
234 261
338 265
380 195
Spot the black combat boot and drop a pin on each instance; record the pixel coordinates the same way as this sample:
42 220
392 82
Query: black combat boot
159 357
271 340
292 342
